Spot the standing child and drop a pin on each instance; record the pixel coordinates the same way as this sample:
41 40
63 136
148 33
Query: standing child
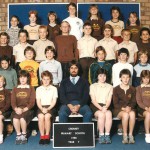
33 27
96 21
4 105
131 46
5 49
101 95
46 97
116 23
53 28
30 65
133 24
100 63
110 45
51 65
142 65
123 55
13 31
143 100
68 51
18 50
8 72
124 105
144 43
41 44
22 102
86 48
75 22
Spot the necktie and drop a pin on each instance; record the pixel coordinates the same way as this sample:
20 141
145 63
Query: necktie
73 81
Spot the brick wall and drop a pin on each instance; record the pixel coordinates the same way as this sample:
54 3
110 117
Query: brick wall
145 8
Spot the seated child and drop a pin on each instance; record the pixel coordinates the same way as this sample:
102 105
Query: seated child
101 95
22 102
4 105
143 101
124 105
46 97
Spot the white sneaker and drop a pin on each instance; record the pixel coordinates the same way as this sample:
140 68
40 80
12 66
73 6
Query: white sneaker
1 138
147 139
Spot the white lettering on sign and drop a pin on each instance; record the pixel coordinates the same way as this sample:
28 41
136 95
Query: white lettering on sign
80 133
66 133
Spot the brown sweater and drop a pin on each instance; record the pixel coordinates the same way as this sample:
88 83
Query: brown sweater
53 32
66 46
4 100
122 99
143 96
134 33
23 97
6 50
97 26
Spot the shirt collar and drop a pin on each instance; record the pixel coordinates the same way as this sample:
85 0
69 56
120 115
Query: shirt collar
144 85
87 38
46 88
23 86
14 27
102 84
50 61
143 65
76 78
107 39
123 43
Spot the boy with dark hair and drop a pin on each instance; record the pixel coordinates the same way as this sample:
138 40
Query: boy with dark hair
8 72
123 55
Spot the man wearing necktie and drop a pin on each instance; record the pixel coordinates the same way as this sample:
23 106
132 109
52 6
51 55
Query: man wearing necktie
74 95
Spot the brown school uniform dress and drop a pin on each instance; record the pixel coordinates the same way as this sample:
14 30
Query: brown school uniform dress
143 97
23 97
5 103
122 99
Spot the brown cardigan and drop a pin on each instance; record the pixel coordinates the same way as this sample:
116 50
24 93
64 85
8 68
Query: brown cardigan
120 99
4 100
143 96
23 97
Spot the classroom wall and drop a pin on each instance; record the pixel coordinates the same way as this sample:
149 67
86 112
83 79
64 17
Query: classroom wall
145 8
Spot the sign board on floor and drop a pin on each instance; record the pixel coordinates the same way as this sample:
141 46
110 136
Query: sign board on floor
73 135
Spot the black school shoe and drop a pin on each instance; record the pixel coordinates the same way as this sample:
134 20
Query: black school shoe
42 142
46 142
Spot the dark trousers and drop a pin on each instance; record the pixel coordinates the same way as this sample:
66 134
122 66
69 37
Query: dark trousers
65 69
85 63
85 110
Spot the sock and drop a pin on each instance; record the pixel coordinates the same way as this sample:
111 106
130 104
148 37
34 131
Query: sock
107 133
101 134
47 137
42 137
147 135
19 134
